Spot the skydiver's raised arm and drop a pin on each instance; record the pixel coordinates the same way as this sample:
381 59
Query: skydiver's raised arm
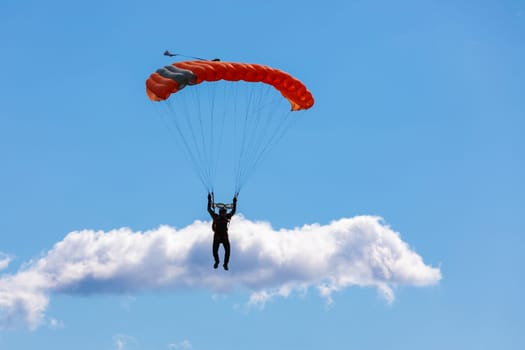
232 213
212 213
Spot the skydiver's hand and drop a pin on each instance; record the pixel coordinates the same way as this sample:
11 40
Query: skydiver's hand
209 196
235 200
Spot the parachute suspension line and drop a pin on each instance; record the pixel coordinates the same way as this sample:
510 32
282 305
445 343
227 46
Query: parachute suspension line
263 134
222 125
250 138
210 142
256 138
261 130
182 140
180 117
218 125
255 132
269 118
246 135
199 146
204 140
275 139
189 117
256 113
254 135
241 147
235 147
208 121
205 125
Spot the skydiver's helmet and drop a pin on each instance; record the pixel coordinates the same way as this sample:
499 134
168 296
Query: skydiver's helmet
222 211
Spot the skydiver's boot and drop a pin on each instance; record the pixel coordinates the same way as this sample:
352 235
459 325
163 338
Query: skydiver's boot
225 266
216 264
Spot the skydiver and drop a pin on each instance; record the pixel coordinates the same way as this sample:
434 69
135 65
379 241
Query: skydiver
220 231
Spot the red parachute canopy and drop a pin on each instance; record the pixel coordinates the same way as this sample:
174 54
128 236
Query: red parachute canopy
170 79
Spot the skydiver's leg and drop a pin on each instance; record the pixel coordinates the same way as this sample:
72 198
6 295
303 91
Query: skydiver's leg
216 243
226 244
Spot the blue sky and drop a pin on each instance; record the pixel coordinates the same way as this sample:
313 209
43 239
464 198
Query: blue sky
418 120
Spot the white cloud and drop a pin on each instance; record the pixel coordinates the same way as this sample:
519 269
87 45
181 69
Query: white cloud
359 251
185 344
4 261
123 341
55 324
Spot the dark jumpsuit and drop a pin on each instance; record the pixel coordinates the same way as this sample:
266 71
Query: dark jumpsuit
220 232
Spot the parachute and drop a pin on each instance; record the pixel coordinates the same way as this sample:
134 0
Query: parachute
227 114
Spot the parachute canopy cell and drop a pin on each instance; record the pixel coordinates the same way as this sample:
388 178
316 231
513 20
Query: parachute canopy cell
172 78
